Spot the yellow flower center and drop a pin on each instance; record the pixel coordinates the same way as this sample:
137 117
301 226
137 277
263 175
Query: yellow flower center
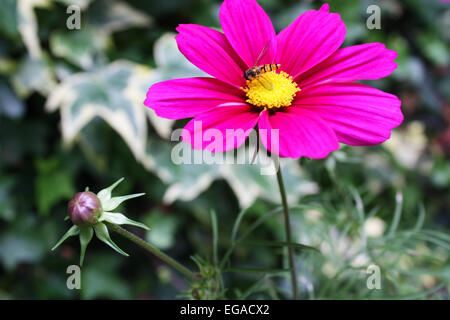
271 90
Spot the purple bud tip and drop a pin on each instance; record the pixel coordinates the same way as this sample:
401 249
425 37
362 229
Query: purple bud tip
84 208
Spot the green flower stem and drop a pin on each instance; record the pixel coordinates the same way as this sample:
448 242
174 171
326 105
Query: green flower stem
287 227
147 246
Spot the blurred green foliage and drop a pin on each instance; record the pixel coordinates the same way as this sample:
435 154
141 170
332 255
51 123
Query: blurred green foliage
71 116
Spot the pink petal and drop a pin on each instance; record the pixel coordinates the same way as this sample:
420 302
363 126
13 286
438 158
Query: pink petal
185 98
221 129
210 51
358 114
300 134
360 62
248 29
309 40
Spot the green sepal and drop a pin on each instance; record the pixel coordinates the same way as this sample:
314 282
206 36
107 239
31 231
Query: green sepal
114 202
105 194
86 234
73 231
118 218
101 231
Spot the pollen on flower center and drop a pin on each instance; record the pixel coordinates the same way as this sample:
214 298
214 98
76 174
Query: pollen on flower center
281 95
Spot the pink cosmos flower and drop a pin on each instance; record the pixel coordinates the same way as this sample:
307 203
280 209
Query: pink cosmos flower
315 102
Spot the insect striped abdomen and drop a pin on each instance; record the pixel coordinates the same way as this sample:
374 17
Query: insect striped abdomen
270 67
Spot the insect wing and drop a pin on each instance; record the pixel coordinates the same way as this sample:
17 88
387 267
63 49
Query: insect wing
266 83
262 53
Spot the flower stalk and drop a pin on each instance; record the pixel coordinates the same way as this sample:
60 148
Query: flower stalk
153 250
91 213
287 227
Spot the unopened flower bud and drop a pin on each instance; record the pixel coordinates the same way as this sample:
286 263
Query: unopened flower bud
91 213
85 208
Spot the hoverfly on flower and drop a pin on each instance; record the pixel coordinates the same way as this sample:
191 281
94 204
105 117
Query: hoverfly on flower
257 71
314 103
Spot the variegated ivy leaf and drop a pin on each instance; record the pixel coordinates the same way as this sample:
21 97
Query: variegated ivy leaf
33 74
116 92
104 93
114 15
186 181
28 26
79 47
258 180
103 18
80 3
10 105
138 88
170 64
249 184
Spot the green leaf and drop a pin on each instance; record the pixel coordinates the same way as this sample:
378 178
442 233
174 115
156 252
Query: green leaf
236 224
109 93
19 248
105 194
248 182
10 105
86 234
253 288
101 231
53 184
113 15
73 231
397 214
114 202
118 218
215 229
170 62
164 229
33 74
187 180
9 17
101 278
421 217
78 47
434 48
7 198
